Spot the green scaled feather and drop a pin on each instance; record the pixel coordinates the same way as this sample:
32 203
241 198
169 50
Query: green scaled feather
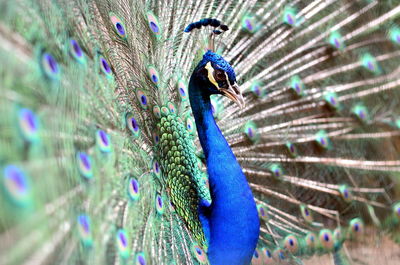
184 180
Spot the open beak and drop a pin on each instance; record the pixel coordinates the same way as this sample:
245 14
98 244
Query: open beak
233 92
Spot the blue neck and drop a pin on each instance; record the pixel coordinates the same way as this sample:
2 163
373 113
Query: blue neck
232 220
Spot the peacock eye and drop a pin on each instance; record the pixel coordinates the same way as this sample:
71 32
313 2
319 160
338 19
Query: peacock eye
219 75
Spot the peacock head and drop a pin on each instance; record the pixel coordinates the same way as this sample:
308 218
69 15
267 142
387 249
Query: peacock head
219 77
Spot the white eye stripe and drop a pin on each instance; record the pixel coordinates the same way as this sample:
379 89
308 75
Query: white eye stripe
211 78
210 75
227 79
234 88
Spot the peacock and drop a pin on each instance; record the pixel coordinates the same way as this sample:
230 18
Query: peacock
199 132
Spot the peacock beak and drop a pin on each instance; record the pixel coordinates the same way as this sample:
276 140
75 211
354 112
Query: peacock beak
233 92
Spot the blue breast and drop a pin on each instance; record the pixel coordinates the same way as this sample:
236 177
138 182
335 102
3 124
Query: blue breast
232 221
